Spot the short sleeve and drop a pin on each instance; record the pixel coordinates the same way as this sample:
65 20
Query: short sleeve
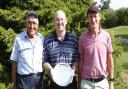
109 44
46 54
80 49
76 55
15 53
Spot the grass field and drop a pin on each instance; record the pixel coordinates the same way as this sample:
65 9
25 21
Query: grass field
122 31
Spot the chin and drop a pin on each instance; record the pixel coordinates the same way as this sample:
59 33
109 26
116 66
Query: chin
60 29
94 26
32 33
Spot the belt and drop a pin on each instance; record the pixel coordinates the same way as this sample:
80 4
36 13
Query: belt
31 74
95 79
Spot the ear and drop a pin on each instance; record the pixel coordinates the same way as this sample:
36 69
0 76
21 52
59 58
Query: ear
66 21
99 16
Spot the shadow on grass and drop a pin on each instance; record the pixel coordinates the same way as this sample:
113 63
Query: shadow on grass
122 35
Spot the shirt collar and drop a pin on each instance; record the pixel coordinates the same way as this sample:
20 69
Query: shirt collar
65 38
90 32
26 35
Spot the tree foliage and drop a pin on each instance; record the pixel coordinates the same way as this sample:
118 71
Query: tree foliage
115 18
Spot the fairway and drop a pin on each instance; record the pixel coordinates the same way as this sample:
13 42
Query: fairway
119 31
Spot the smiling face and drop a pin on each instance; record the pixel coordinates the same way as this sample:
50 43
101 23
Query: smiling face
32 25
93 20
60 21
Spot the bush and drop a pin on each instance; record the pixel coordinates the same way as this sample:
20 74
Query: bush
118 49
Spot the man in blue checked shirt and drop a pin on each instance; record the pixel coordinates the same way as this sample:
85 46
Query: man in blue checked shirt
27 56
61 47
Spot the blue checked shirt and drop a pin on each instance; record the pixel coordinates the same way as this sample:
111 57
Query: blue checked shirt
29 57
56 51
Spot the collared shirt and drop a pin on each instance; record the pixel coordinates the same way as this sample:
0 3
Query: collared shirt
94 50
66 51
29 56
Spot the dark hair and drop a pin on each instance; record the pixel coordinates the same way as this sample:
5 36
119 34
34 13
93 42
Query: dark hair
31 13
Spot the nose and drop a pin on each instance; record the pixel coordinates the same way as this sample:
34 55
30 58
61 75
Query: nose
93 19
59 21
31 25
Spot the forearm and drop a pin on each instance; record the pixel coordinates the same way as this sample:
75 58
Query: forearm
110 65
14 68
80 65
47 66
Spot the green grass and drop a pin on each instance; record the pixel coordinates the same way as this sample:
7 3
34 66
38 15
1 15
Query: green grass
120 31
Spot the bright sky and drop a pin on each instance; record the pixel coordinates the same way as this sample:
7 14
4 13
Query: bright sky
116 4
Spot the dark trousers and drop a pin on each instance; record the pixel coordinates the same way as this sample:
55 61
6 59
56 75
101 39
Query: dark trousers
72 85
30 81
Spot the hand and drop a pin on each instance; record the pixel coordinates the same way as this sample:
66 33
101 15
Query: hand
52 72
14 86
73 72
111 85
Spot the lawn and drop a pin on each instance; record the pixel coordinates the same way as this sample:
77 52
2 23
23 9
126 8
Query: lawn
120 31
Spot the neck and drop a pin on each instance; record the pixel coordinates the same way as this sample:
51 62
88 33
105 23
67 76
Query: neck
95 31
30 36
61 35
